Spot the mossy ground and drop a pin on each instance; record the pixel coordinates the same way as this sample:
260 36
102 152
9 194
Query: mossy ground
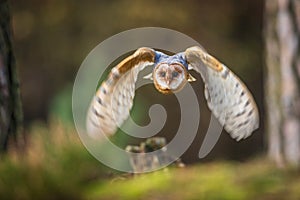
55 165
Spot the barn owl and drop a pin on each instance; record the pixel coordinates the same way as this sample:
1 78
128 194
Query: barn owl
227 96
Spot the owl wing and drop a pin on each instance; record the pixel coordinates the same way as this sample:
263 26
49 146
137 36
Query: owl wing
227 96
113 100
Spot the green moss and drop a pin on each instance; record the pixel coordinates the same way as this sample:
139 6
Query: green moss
133 188
57 166
254 180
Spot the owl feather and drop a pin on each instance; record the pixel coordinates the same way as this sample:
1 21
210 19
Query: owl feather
113 101
227 96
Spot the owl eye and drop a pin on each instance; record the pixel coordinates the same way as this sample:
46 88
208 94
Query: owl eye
175 74
162 74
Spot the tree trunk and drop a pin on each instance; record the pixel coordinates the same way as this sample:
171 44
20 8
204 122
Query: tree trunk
282 32
10 106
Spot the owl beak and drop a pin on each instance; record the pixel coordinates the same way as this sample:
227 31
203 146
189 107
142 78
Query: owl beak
168 78
168 83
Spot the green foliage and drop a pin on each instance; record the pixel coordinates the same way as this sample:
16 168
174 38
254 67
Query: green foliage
254 180
57 166
61 105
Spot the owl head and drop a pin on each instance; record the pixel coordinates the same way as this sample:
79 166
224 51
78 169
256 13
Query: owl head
170 78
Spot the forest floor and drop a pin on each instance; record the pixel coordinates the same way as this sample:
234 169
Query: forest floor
55 165
220 180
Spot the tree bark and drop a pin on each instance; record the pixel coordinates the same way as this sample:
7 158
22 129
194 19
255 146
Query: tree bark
282 32
10 104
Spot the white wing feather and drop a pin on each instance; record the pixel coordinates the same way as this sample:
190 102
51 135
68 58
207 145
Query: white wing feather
227 96
113 101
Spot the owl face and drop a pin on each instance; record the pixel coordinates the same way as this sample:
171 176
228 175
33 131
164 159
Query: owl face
169 78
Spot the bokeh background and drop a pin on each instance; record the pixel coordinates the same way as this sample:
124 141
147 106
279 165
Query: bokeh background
51 40
53 37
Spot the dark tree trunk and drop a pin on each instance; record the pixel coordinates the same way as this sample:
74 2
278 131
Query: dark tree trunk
282 34
10 106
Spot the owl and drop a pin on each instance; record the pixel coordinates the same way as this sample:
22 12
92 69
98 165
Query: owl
227 96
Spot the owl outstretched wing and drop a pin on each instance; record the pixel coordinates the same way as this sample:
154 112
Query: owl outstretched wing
113 100
227 96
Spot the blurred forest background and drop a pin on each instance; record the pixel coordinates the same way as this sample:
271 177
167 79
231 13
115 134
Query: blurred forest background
52 38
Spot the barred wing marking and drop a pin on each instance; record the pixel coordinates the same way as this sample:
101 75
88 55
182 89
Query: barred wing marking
113 101
227 96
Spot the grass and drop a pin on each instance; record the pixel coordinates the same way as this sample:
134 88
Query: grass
55 165
219 180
